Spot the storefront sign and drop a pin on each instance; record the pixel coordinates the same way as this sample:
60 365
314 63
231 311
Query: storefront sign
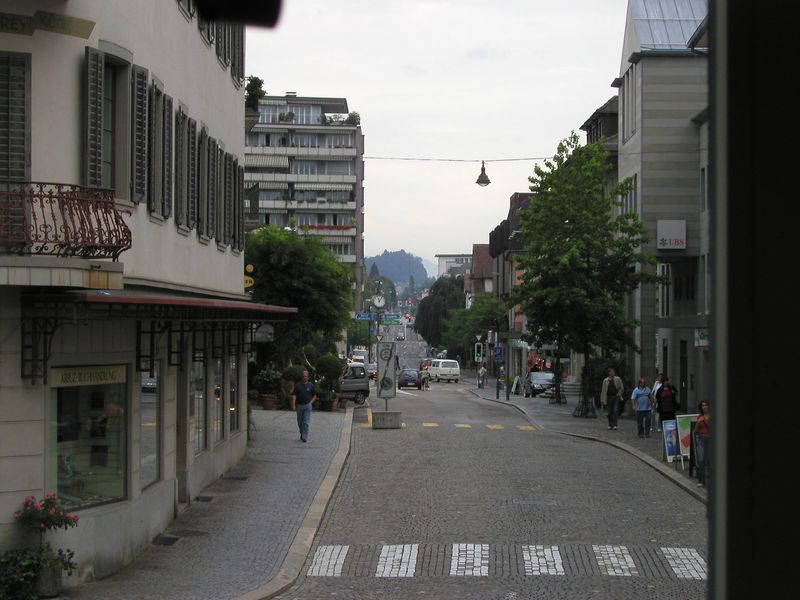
685 433
45 21
94 375
671 446
700 337
671 235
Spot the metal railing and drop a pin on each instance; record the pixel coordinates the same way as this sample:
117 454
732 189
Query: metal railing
57 219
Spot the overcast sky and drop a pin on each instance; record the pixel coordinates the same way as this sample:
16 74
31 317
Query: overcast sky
466 79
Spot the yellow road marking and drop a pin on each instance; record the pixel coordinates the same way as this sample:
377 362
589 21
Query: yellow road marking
495 427
463 426
526 427
369 416
430 424
363 425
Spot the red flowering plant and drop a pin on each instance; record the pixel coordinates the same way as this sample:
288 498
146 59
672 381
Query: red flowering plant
48 514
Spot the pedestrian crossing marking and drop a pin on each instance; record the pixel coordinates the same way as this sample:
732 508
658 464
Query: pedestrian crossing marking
430 424
478 560
470 559
328 561
615 560
526 427
463 426
686 563
495 427
397 561
542 560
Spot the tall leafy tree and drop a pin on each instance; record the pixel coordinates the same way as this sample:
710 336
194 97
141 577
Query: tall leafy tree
446 295
295 270
581 256
462 326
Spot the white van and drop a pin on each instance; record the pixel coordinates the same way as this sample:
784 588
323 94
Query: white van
444 369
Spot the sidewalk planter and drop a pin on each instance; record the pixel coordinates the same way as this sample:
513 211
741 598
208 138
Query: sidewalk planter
268 401
386 420
48 584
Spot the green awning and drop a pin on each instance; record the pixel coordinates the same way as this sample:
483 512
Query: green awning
266 160
323 187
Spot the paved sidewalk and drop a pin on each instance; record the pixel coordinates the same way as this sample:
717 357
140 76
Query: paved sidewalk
251 540
558 418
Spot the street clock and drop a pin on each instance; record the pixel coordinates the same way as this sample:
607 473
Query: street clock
378 301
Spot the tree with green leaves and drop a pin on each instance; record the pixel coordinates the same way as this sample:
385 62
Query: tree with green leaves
254 91
300 271
464 325
446 295
581 256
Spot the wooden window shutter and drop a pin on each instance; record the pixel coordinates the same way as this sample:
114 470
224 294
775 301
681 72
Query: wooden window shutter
180 167
191 159
228 228
240 207
139 103
212 187
14 120
94 67
156 149
202 183
166 207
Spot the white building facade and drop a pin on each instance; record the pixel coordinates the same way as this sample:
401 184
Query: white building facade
124 326
304 167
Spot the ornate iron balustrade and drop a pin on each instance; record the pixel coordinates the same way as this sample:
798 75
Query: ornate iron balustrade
60 219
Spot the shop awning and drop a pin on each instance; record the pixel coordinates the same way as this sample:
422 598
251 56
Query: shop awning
204 320
273 185
266 160
323 187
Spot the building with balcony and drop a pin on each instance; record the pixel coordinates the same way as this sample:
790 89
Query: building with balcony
124 326
452 265
304 168
662 141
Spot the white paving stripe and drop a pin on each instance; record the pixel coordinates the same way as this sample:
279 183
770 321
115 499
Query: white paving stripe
542 560
470 559
328 561
397 561
686 563
615 560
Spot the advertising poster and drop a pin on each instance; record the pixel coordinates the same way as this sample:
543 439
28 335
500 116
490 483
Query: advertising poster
685 433
671 446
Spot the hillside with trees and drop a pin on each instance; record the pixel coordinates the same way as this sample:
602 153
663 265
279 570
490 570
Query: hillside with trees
399 266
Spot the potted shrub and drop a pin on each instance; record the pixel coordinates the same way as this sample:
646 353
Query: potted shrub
330 367
267 382
41 516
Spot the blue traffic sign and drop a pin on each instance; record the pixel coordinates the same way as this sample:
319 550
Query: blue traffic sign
372 329
391 315
365 316
498 354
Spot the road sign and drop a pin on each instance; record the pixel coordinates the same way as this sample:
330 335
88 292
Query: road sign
365 316
498 354
390 316
248 281
391 322
386 371
379 337
372 329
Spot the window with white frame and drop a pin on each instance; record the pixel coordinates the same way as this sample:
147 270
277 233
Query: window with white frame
305 140
306 219
268 113
338 140
627 110
304 167
306 114
338 167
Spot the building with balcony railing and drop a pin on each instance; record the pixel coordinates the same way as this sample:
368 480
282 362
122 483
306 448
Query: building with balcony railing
123 319
304 168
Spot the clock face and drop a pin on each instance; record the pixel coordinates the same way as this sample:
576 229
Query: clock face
378 301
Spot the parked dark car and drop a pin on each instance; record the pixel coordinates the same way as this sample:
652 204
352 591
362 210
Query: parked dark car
538 382
409 378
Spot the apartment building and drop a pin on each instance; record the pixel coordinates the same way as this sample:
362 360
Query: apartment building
304 169
663 93
124 326
452 265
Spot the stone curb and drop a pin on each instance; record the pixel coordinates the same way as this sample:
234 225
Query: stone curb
648 460
301 546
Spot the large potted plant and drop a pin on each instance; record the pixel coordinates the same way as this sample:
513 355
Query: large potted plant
267 382
41 516
330 367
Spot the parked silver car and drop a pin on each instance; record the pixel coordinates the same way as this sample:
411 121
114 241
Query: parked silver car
354 384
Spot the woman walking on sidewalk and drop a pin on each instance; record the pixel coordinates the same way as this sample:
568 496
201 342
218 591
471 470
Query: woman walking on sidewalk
702 430
667 401
656 385
642 407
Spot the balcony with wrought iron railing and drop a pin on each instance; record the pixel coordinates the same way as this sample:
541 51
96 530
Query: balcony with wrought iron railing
55 219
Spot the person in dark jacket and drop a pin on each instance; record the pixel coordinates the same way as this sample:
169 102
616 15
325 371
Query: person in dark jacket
667 401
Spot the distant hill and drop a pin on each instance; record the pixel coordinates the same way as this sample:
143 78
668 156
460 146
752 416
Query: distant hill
398 266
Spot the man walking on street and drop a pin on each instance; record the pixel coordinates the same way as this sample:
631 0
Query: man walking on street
643 406
482 377
611 396
303 396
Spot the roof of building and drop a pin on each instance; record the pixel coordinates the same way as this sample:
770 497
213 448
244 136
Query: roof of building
329 105
666 24
611 107
481 261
